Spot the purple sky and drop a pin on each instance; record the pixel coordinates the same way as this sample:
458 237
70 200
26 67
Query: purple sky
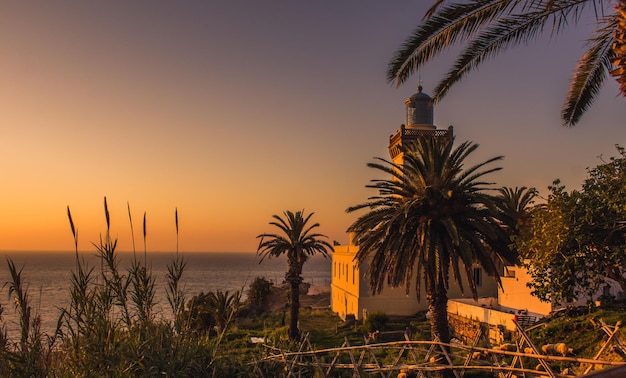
235 111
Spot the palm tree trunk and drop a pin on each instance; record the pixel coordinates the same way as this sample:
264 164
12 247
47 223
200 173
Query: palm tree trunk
439 326
294 278
294 332
438 307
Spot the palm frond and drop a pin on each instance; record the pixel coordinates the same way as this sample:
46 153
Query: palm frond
590 74
441 30
509 32
492 26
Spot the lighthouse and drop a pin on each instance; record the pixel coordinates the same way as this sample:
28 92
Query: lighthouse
419 123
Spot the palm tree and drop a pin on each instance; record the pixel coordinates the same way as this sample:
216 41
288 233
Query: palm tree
432 218
619 47
516 206
223 307
298 242
214 310
492 26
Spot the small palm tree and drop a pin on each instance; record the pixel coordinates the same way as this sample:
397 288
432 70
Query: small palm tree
298 241
492 26
224 307
432 218
516 206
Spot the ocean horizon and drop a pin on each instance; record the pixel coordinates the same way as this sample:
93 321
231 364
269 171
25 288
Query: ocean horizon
46 276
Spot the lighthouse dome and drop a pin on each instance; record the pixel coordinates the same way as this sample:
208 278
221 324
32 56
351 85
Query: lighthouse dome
419 111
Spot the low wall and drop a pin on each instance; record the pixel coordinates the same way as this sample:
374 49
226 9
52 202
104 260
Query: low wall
466 330
482 312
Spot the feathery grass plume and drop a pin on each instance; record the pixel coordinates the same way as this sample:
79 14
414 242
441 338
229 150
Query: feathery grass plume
144 239
74 230
106 214
132 231
176 220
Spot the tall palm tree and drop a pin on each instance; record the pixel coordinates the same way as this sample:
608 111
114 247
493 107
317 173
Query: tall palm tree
298 241
432 218
491 26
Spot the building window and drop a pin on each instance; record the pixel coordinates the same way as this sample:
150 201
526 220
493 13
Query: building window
478 279
353 270
510 273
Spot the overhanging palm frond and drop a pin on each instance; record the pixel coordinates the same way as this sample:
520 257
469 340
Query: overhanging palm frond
590 73
506 33
490 27
441 30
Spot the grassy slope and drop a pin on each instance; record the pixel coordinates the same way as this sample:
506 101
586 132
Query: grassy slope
328 331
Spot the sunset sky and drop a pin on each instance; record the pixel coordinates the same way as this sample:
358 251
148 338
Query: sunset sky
232 111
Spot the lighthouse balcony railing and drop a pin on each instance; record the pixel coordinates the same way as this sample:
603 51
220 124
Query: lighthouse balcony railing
416 133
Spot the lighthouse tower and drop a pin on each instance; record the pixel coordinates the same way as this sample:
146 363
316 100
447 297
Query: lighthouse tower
419 122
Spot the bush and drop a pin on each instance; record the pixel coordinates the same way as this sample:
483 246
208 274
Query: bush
258 292
376 321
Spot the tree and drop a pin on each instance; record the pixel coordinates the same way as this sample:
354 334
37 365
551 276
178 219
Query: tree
578 240
549 251
258 293
600 215
432 218
491 26
298 241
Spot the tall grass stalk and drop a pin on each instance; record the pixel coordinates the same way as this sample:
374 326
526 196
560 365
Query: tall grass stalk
115 283
142 292
132 230
77 319
19 294
32 357
145 246
175 293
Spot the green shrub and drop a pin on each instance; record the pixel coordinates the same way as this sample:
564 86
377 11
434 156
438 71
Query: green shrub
258 292
376 321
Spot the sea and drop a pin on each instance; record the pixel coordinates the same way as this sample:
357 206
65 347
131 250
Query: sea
46 275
